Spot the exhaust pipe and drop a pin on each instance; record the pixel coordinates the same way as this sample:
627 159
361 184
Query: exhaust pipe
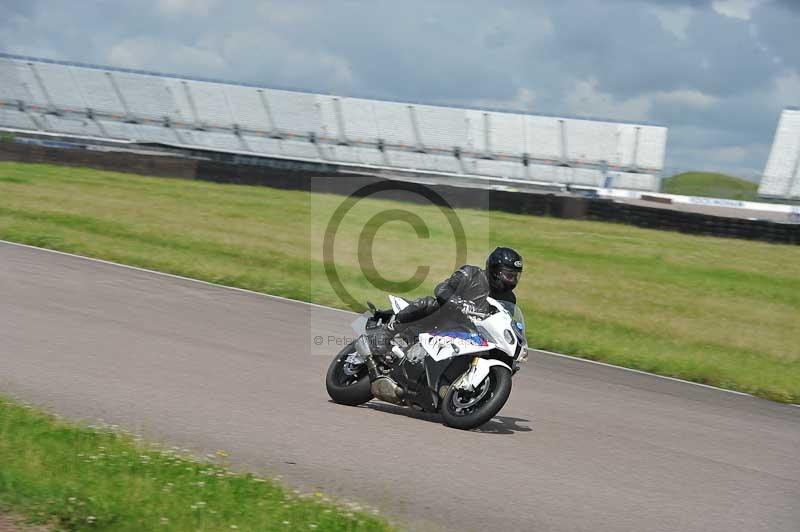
387 390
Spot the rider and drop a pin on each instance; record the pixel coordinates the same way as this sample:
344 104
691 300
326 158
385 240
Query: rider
468 284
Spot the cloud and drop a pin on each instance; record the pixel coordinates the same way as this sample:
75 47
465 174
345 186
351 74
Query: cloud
186 7
675 21
717 72
740 9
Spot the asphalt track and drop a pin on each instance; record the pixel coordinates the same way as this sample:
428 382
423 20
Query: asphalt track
579 446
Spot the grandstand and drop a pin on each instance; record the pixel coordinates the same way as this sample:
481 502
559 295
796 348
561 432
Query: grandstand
108 103
781 178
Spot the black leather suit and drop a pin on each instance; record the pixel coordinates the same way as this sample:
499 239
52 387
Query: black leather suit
469 283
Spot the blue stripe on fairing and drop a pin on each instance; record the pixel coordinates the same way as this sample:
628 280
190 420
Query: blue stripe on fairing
473 338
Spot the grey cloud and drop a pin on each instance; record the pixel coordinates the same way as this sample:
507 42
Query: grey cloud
465 53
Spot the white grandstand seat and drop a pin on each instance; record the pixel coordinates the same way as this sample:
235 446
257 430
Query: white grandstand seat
590 142
781 177
145 96
210 103
441 128
248 111
359 120
394 123
444 163
299 148
10 86
369 156
632 181
347 129
156 133
652 142
98 92
15 119
407 159
507 134
60 85
73 125
329 129
294 112
587 177
28 86
543 138
262 145
119 130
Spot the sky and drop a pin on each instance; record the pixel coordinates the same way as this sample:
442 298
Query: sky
716 72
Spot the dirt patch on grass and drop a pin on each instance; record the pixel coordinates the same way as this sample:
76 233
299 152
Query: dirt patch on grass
12 523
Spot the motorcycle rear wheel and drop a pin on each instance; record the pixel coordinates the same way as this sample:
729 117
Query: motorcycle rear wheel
344 389
493 398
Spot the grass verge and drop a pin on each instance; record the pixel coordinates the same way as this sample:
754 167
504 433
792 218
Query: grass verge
712 310
78 478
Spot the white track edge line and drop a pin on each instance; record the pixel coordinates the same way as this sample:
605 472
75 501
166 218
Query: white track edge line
174 276
280 298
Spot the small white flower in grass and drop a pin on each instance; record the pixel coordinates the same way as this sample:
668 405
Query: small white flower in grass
91 519
72 499
234 526
164 520
286 522
312 525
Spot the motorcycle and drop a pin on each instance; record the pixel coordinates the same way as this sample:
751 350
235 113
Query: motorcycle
461 369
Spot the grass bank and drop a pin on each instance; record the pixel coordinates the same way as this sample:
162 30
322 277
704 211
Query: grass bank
716 311
711 185
78 478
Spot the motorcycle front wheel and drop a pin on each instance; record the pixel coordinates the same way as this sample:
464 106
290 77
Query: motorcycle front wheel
347 385
468 410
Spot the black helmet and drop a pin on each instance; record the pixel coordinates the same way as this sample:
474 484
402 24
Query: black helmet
503 268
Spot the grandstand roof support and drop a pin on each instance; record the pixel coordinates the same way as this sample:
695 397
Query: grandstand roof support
273 127
35 121
412 113
487 136
795 177
562 130
337 109
51 108
635 162
198 124
128 115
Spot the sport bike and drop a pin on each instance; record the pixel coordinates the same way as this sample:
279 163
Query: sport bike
461 367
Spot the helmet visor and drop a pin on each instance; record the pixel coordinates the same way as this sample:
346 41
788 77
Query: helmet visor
508 276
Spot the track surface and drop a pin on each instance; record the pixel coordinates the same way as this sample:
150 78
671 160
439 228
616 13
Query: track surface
578 447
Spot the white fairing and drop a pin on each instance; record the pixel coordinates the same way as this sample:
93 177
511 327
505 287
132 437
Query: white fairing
443 346
398 303
478 371
496 331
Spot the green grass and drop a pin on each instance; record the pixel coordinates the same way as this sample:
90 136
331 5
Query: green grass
711 185
712 310
79 478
